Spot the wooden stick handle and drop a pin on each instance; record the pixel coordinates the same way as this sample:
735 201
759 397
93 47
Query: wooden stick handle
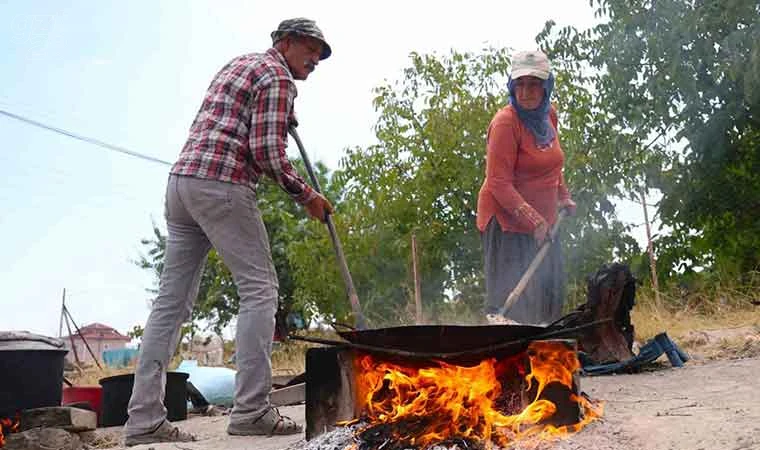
341 257
523 283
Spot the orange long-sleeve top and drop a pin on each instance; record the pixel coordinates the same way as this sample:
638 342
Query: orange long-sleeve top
523 183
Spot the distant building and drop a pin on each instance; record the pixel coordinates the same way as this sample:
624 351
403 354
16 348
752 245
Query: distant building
99 337
207 350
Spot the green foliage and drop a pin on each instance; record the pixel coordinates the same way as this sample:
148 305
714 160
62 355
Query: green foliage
153 259
660 96
423 178
136 332
287 224
689 72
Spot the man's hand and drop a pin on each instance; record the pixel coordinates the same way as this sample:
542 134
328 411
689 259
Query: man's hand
319 207
568 205
539 234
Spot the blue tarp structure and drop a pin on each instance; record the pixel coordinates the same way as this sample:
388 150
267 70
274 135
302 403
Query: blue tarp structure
120 357
216 384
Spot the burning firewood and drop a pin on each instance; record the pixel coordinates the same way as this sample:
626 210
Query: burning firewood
484 387
7 426
413 405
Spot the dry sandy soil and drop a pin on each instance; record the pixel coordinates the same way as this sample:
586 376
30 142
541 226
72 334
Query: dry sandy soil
702 406
708 406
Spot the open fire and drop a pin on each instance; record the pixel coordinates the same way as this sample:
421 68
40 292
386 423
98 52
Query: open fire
7 426
494 402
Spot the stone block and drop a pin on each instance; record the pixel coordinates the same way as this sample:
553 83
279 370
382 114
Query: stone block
66 418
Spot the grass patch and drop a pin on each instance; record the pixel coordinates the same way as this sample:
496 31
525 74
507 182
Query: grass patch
90 375
709 306
650 321
716 321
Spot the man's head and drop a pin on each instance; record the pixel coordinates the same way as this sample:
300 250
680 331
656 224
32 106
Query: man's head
302 44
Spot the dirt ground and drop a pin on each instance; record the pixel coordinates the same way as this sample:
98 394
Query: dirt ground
715 405
212 435
705 405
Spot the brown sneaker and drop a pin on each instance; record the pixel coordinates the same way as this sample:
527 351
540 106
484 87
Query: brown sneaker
166 432
270 423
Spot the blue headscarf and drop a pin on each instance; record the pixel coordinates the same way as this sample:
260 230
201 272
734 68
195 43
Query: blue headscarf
537 120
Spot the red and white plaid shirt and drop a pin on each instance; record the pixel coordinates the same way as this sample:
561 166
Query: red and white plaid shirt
241 130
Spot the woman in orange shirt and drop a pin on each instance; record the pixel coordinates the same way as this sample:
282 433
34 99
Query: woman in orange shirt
521 194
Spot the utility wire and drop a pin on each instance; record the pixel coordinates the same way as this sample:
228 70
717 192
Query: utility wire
89 140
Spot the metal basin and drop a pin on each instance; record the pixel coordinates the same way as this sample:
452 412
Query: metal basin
440 338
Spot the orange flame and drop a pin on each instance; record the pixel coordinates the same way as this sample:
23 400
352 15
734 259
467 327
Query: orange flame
11 426
443 402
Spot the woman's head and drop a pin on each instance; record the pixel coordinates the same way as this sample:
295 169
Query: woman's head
529 79
530 89
529 92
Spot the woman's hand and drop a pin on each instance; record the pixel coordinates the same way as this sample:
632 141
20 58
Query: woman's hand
539 233
567 204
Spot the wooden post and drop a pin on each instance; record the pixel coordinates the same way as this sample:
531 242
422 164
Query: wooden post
68 327
81 336
63 305
417 295
650 249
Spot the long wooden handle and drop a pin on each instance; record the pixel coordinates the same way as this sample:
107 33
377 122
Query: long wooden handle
520 287
342 264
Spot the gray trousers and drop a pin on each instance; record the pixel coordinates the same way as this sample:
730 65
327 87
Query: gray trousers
201 214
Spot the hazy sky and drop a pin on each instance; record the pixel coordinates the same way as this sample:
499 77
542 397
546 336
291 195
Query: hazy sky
133 74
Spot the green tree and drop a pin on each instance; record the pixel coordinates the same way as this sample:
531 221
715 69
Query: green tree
423 178
685 76
660 95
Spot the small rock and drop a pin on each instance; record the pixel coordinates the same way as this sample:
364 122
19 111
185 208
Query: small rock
88 437
43 439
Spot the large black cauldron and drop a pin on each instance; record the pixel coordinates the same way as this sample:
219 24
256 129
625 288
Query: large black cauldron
118 389
31 372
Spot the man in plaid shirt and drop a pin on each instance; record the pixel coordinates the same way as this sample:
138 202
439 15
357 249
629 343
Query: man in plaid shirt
239 135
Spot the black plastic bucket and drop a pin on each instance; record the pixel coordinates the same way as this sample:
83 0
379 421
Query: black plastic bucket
30 379
118 389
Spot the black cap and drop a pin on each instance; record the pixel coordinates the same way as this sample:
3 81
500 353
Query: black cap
301 26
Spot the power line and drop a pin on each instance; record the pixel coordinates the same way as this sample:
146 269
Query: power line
89 140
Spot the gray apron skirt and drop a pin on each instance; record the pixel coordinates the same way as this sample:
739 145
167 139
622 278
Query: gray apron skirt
507 257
